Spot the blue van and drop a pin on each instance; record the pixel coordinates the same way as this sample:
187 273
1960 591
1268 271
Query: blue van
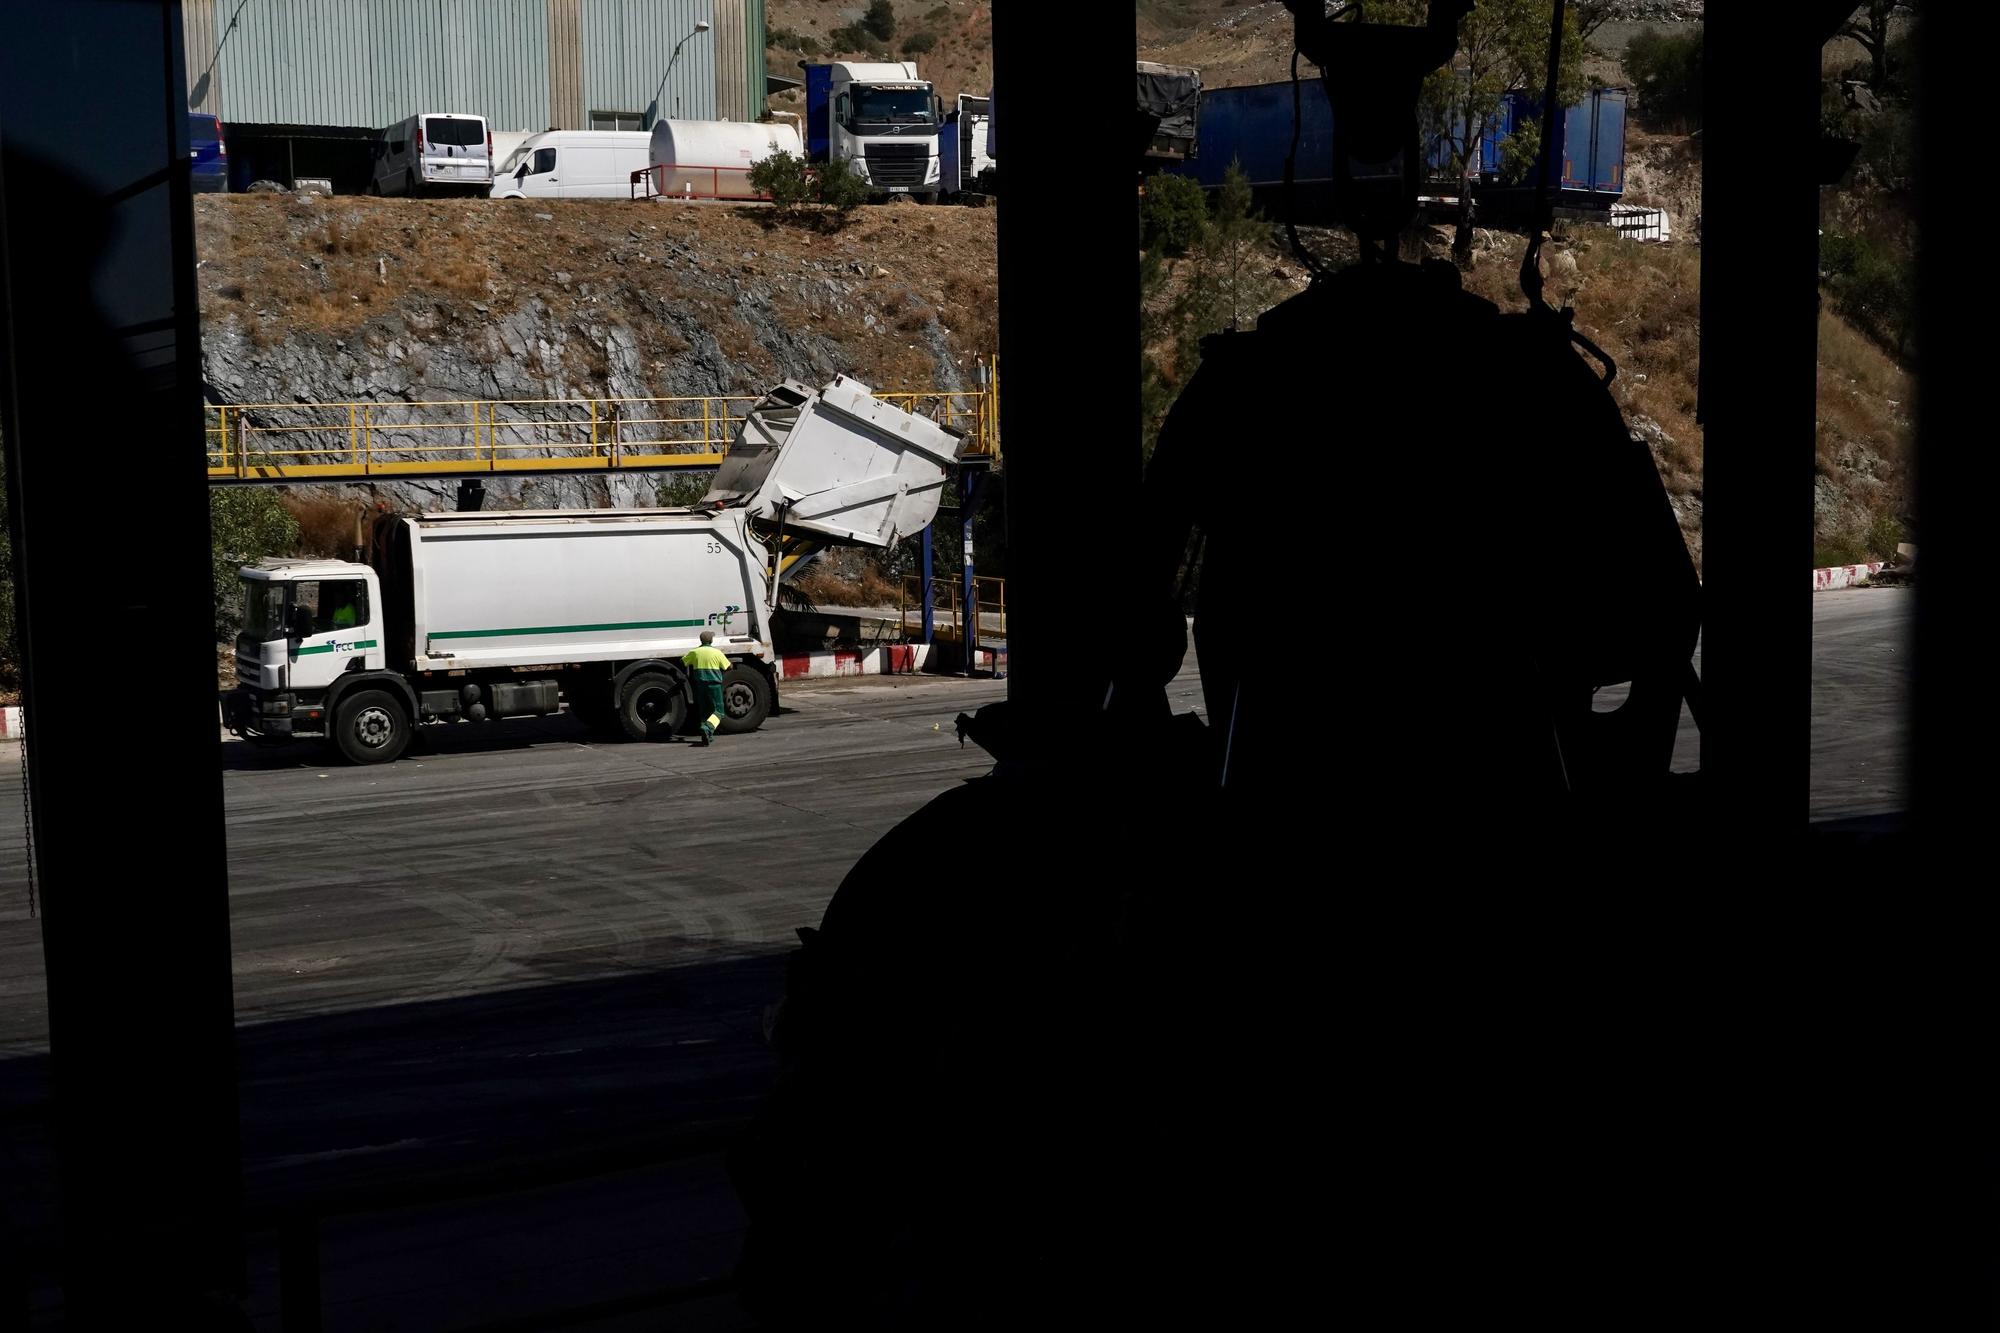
207 154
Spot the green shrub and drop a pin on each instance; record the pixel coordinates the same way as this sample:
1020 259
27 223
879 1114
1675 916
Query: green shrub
880 19
1873 281
794 187
1884 535
1172 214
838 186
938 15
785 179
919 42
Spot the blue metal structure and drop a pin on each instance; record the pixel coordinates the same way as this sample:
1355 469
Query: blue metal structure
1253 125
819 94
1590 143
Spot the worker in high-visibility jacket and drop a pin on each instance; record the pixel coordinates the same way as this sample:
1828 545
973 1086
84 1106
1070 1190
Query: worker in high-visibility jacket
706 665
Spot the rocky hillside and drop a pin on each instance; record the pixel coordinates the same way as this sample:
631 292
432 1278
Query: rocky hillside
1233 43
951 41
333 300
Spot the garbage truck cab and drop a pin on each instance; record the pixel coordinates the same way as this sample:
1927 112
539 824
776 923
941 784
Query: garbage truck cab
306 624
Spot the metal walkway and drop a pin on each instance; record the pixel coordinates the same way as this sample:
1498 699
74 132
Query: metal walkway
274 443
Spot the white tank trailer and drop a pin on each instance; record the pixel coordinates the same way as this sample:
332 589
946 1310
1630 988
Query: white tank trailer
475 617
711 159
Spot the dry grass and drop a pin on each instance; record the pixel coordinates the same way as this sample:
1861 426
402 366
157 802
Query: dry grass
1642 304
326 522
868 587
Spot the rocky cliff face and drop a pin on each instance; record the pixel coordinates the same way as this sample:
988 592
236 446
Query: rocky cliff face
316 301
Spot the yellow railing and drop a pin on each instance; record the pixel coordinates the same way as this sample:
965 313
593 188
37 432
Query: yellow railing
948 614
309 441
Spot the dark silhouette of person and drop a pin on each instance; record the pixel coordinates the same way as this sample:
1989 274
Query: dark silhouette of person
1260 1017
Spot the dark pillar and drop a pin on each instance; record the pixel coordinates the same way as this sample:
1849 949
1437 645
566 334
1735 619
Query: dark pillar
1069 334
97 286
1759 334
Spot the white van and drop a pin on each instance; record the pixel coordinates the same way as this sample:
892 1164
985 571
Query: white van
573 164
436 152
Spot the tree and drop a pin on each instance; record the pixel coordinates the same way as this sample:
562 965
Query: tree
1225 282
245 524
1503 46
1228 281
880 19
1173 213
1870 28
1665 69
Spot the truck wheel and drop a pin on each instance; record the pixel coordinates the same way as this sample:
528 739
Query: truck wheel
651 707
371 727
746 700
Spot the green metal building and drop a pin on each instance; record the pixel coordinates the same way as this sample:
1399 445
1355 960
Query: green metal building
298 82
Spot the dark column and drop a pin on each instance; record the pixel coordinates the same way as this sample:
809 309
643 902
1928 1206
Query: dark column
97 286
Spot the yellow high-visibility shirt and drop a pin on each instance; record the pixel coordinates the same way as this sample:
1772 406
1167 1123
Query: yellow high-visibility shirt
707 663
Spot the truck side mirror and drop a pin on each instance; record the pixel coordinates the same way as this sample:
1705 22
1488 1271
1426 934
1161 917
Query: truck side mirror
299 623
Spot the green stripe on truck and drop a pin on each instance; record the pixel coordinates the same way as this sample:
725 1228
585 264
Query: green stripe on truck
564 629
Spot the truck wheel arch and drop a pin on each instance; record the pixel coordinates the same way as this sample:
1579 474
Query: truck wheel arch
373 680
630 669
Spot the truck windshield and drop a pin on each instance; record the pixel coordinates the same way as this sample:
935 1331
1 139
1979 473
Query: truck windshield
263 610
892 106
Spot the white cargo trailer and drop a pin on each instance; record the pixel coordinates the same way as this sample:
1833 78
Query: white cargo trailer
471 617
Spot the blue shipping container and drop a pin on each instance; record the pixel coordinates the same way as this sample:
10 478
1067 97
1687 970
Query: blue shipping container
1589 146
1254 124
819 99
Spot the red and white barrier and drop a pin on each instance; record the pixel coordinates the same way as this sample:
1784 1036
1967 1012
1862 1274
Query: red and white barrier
899 659
10 723
1843 576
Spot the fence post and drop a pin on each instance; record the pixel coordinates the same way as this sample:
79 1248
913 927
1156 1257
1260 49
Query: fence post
242 447
367 439
353 435
929 589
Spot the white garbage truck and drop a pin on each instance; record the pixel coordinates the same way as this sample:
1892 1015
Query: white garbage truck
472 617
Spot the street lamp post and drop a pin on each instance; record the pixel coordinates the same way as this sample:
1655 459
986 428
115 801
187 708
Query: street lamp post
700 26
